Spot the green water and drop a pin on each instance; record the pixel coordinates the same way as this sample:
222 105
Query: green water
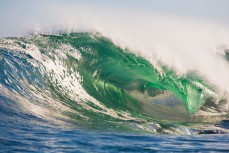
119 89
115 71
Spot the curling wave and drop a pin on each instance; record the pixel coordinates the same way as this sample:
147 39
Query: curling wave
88 80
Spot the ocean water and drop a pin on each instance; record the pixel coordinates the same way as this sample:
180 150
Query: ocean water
43 137
31 138
79 92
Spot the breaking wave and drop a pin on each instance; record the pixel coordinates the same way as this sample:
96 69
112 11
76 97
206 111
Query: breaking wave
87 80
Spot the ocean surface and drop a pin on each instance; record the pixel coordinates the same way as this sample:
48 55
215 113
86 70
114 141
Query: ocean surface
46 138
80 92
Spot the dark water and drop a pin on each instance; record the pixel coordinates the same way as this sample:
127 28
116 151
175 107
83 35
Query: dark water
49 138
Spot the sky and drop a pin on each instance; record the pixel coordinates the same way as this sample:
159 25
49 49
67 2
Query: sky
24 16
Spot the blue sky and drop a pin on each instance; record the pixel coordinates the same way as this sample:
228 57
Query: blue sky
205 8
15 12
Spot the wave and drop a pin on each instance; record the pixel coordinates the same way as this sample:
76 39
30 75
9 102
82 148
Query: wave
86 79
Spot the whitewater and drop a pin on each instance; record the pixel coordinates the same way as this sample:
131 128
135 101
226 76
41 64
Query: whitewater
86 77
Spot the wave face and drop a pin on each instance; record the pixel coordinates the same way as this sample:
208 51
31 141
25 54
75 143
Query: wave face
85 79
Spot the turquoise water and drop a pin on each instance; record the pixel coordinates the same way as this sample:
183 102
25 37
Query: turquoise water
81 92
